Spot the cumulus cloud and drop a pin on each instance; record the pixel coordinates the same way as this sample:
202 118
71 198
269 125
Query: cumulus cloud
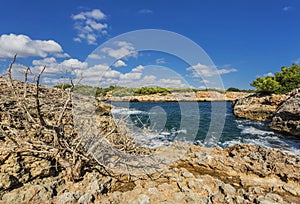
135 74
201 70
131 76
122 49
120 63
94 56
139 68
89 26
24 46
56 68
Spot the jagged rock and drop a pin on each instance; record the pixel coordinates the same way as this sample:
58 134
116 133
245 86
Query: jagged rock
287 116
69 197
29 193
86 198
257 106
7 181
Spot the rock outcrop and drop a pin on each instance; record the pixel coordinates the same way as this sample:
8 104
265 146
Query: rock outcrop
282 111
287 116
257 106
182 96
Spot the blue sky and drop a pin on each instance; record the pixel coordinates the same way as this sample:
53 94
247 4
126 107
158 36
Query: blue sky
244 39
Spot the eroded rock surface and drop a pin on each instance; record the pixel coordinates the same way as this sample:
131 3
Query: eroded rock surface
238 174
257 106
287 116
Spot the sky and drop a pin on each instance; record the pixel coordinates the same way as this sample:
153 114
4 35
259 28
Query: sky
235 41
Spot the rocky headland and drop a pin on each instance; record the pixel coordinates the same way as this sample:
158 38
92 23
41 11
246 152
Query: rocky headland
281 111
34 168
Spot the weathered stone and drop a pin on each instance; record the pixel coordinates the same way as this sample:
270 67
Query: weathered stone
287 116
7 181
257 106
68 197
86 198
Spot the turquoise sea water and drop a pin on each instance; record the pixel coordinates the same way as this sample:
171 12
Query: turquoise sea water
160 123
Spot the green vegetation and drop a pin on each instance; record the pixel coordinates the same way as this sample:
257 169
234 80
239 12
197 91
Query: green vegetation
181 90
213 89
151 90
283 82
63 86
124 91
233 89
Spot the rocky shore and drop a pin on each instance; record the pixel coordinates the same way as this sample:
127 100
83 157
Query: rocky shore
41 170
181 96
239 174
282 112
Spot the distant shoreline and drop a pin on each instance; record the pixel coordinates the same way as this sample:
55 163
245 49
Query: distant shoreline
202 96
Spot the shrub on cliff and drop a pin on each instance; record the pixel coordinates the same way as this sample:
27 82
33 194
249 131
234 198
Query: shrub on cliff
233 89
151 90
283 82
267 84
289 78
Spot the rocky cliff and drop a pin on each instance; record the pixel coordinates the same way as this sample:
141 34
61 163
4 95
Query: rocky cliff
185 96
257 106
287 116
282 111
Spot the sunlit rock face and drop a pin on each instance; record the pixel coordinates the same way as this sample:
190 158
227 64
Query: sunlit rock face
287 116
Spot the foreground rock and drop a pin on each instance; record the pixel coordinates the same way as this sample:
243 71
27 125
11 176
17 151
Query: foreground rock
287 116
258 106
239 174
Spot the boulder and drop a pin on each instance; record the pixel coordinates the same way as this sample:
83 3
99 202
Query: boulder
287 116
257 106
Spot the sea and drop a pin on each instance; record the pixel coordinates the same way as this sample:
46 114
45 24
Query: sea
211 124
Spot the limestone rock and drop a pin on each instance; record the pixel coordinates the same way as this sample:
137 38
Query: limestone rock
257 106
287 116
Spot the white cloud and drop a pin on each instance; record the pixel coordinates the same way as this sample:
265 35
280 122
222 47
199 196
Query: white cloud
123 49
160 61
139 68
286 8
94 14
89 26
55 68
74 64
201 70
120 63
95 56
145 11
226 71
131 76
24 46
269 74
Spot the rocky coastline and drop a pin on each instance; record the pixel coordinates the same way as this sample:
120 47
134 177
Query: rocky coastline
180 96
30 173
280 111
